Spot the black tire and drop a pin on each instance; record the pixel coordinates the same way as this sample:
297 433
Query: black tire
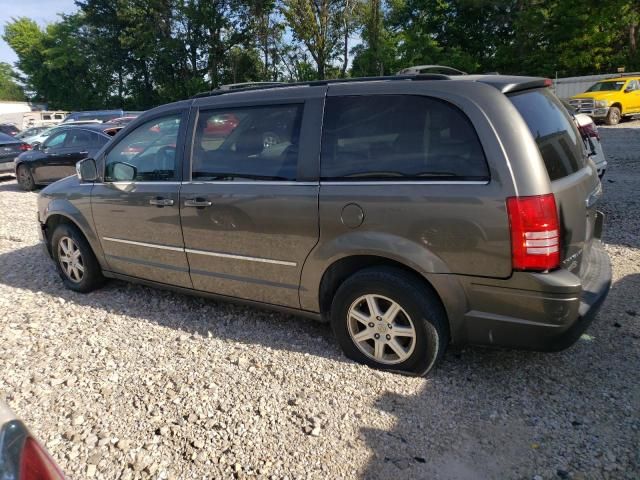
91 277
25 178
419 302
613 116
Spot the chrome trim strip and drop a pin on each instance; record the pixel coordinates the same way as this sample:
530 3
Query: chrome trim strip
409 182
241 257
203 252
143 244
140 183
256 182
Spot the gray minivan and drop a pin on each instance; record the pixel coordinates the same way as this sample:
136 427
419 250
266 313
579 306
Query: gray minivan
411 212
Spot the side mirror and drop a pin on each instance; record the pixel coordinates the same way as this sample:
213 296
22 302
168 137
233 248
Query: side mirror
36 146
122 172
628 89
87 170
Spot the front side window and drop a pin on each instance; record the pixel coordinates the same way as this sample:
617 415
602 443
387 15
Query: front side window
250 143
56 140
399 137
148 153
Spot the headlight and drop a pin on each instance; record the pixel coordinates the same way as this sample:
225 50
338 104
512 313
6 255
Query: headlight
602 103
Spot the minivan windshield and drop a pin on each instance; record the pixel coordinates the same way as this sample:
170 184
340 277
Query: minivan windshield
607 86
554 131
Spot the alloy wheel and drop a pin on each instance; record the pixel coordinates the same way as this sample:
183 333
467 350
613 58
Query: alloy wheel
70 259
381 329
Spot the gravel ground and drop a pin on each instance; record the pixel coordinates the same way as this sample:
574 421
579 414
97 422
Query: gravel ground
133 382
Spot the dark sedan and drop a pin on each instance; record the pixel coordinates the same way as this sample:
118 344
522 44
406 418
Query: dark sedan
10 148
57 156
9 129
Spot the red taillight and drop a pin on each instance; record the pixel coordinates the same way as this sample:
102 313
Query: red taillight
535 232
36 464
24 147
589 130
548 82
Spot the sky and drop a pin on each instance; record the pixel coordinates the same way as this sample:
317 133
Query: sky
42 11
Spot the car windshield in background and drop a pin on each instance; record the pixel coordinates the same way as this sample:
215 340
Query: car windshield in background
607 87
557 137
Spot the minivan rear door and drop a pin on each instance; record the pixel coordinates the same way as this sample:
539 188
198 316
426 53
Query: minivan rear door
574 180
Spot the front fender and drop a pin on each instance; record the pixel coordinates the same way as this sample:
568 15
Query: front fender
78 212
379 244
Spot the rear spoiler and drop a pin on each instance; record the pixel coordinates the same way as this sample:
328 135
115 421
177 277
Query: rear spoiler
511 84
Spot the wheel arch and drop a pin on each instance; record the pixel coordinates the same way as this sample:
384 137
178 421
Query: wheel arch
57 216
444 287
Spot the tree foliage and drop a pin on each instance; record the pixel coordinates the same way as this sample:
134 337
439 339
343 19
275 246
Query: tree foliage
9 89
140 53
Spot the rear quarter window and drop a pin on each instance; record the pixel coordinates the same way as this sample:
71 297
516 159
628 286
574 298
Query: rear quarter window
399 137
553 130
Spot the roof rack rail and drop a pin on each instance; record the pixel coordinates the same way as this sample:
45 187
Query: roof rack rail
236 88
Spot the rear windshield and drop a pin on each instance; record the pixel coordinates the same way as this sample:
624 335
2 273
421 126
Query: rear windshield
553 130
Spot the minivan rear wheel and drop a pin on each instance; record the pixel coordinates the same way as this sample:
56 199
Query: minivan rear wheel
76 264
390 320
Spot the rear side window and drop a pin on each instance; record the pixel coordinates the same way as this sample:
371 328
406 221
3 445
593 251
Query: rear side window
78 139
553 129
399 137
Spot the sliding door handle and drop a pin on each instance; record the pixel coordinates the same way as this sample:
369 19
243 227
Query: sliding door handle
161 202
197 202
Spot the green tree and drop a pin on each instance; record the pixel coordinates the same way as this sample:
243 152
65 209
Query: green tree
377 54
9 89
316 24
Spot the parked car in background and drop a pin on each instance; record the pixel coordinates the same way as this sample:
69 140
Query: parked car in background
101 115
590 137
122 121
57 156
43 135
589 131
21 455
10 148
9 129
409 212
610 100
31 132
43 118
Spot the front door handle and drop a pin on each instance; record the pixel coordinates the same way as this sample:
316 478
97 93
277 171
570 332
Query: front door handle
197 202
161 202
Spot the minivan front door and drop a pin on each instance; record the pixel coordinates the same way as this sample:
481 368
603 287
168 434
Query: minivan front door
250 212
136 209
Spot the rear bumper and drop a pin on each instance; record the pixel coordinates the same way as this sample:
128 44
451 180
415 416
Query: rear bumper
537 311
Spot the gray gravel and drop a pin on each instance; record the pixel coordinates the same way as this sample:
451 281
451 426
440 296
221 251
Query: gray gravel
133 382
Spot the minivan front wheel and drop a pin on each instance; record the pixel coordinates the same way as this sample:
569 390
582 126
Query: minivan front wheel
76 264
390 320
